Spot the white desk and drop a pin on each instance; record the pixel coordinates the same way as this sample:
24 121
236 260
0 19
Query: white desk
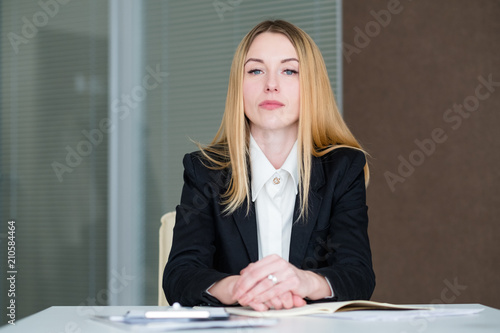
74 319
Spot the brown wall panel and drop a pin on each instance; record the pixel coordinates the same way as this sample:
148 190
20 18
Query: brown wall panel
412 77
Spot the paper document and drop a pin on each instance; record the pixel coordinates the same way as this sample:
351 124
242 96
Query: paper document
190 325
383 315
180 318
361 310
322 308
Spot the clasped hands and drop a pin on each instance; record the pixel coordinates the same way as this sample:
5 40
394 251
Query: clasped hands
271 282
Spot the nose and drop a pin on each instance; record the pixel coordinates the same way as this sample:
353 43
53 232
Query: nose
272 84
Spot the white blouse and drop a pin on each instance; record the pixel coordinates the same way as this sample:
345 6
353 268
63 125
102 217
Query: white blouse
274 192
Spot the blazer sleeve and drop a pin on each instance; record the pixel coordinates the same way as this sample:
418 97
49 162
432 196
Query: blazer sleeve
189 271
348 265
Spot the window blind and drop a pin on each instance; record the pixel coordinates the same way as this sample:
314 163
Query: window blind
53 99
53 94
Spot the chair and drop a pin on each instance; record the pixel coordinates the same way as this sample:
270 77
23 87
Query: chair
166 234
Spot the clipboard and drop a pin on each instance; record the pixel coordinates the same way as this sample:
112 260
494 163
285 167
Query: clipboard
175 313
179 318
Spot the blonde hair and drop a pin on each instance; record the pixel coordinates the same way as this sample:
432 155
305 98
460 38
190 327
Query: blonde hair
321 127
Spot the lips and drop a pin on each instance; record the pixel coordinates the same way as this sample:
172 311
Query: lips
271 105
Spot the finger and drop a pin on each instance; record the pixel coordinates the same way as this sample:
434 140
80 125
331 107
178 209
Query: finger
260 269
248 267
279 303
244 284
259 306
270 259
289 280
298 301
287 300
254 294
283 301
276 303
263 295
265 263
265 291
255 273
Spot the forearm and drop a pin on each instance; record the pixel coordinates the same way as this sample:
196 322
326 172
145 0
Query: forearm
188 285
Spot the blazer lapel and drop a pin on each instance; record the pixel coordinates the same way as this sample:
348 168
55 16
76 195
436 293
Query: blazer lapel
301 230
247 226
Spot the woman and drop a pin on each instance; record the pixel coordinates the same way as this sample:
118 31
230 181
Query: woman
273 211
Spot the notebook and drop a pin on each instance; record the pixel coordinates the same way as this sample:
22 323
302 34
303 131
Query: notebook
321 308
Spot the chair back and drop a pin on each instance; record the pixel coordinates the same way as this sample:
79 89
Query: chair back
166 234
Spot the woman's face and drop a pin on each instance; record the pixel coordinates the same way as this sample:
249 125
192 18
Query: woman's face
271 84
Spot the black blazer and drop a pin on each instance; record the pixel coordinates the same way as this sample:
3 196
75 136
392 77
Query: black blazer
208 246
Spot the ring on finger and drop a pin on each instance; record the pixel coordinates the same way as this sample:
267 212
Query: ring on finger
273 278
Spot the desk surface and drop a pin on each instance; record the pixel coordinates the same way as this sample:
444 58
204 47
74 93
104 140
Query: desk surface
75 319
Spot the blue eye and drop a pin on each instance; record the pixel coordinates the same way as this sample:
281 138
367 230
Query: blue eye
255 71
290 71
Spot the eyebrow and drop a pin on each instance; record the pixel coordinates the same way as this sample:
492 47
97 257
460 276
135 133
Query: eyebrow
262 61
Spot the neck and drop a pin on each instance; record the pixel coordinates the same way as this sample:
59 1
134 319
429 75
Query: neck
276 145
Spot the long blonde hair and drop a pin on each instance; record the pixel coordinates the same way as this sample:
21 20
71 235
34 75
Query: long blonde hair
321 127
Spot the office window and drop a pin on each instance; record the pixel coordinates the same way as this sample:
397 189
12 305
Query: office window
55 150
53 94
194 43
